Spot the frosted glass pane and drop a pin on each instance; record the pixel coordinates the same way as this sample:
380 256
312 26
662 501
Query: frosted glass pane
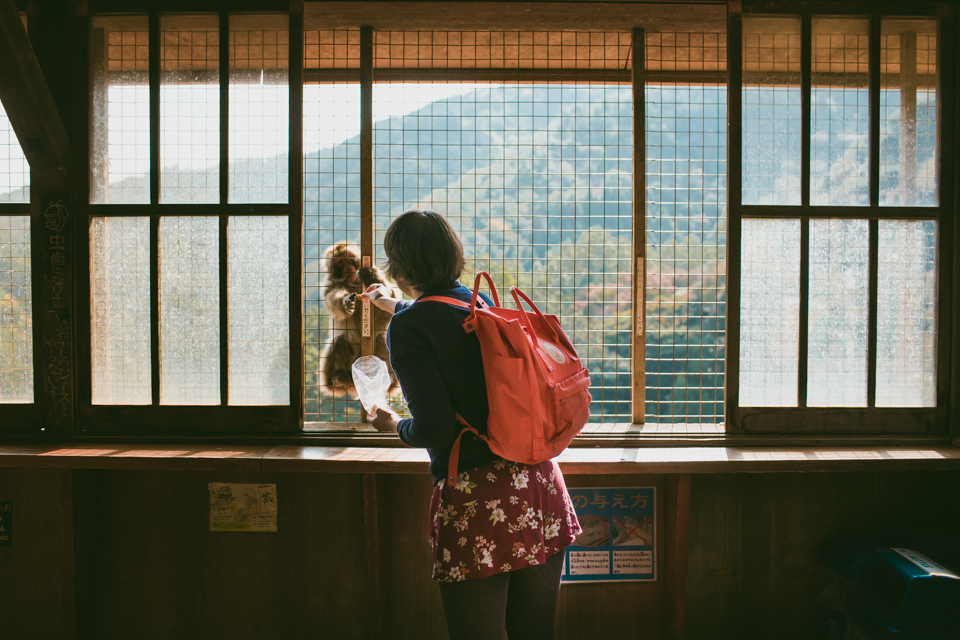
189 310
908 113
259 310
840 113
14 170
906 314
189 109
837 328
769 312
120 310
16 311
259 108
771 110
120 110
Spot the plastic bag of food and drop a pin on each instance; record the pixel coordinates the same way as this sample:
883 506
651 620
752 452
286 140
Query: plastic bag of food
372 379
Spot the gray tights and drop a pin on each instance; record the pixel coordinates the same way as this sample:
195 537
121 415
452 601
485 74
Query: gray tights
519 604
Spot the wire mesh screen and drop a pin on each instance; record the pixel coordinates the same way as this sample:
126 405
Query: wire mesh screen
14 170
686 227
259 108
120 110
908 113
771 110
840 113
16 311
331 196
523 140
190 109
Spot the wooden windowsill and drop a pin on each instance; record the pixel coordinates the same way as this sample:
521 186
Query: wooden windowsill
609 460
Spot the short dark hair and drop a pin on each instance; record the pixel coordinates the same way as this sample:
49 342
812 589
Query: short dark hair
423 250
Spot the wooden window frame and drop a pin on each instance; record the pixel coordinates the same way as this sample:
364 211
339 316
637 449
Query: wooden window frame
157 419
27 417
225 420
870 420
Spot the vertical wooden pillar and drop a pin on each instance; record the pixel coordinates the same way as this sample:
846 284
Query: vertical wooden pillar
78 521
372 527
295 216
639 333
55 226
366 178
677 538
734 170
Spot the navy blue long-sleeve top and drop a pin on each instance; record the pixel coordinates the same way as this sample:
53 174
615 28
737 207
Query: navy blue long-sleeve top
440 371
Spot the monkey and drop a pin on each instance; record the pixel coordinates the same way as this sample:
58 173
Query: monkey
345 280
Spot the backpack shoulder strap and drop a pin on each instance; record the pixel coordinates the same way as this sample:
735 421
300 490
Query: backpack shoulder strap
452 301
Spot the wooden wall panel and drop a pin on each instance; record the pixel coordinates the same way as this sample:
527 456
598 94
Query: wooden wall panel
31 576
754 540
411 600
752 564
163 573
614 611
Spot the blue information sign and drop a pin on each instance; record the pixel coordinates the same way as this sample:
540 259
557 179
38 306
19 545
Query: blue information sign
619 536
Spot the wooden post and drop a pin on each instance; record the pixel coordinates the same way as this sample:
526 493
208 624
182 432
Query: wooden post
734 171
675 573
78 523
639 333
372 526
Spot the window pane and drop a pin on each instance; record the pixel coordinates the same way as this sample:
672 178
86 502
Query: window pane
840 113
536 178
908 113
259 108
259 310
120 310
14 170
771 111
189 109
837 343
189 310
769 313
331 196
906 314
120 110
16 311
686 235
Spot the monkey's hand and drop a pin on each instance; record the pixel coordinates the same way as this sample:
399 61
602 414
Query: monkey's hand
370 275
350 303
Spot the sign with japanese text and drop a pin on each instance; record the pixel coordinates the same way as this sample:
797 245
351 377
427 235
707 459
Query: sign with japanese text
6 524
618 539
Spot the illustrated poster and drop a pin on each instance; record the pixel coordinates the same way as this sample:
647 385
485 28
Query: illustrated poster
618 542
243 507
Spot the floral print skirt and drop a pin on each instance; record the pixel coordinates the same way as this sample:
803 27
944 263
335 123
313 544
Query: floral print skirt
500 517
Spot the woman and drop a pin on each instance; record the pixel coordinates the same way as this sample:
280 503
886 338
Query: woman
498 536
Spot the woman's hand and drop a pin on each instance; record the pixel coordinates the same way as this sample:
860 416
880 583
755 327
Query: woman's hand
381 297
386 420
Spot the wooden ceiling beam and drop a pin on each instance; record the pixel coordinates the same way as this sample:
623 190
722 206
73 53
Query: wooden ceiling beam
29 105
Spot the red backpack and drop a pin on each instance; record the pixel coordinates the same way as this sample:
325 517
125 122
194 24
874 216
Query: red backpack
537 388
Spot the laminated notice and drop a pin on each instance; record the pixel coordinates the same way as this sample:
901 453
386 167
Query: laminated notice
618 541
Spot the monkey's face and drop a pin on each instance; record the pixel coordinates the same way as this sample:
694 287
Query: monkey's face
344 264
